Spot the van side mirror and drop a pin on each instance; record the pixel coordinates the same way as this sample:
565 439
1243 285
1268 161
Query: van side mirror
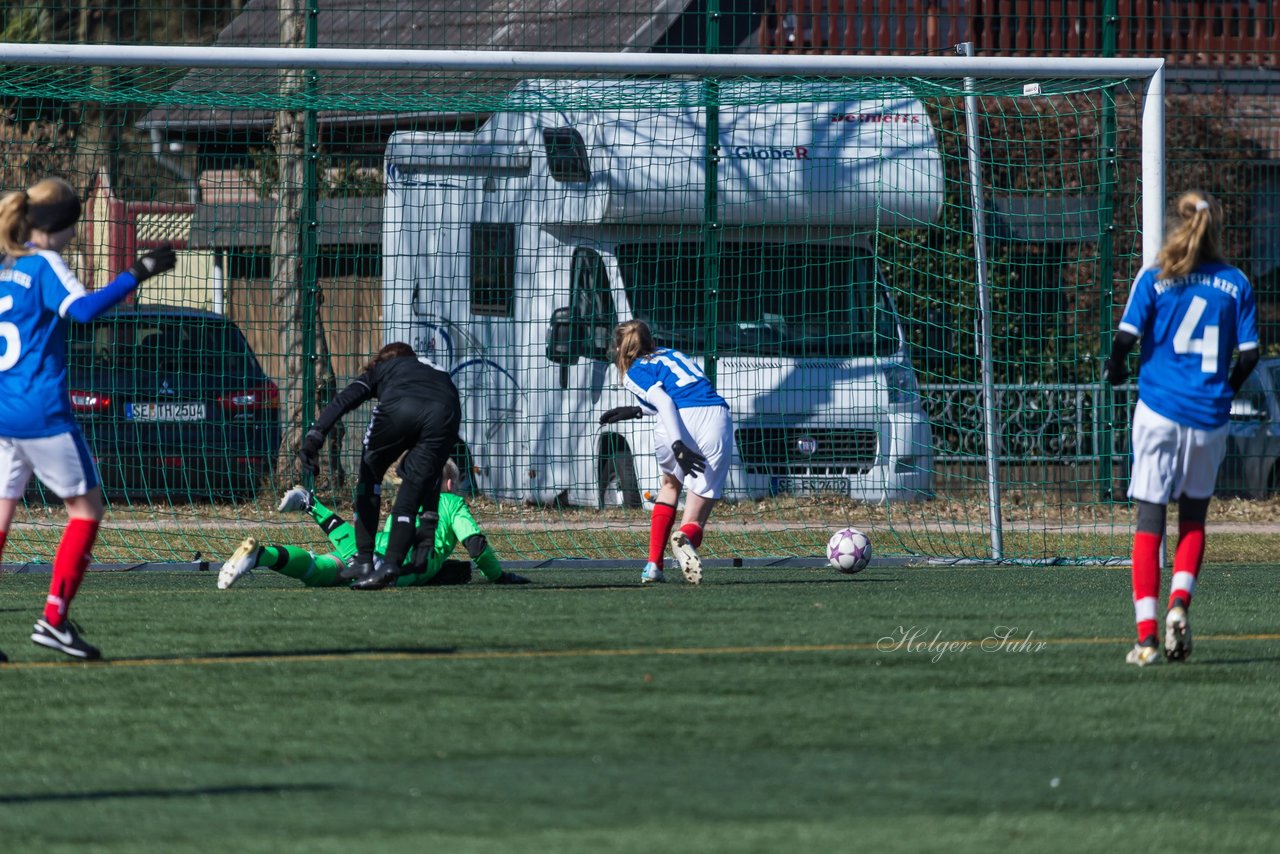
561 349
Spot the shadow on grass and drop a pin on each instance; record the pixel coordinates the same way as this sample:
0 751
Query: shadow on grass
111 794
293 654
569 588
815 582
709 580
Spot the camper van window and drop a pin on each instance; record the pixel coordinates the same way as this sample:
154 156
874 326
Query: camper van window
493 268
567 159
788 299
593 310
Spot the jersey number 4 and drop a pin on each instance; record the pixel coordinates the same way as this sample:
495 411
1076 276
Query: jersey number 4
9 334
1206 345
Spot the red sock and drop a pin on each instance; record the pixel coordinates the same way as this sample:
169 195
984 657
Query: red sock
4 535
1146 581
664 516
1186 561
69 564
693 531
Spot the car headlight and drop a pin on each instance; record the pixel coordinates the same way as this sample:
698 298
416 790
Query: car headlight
900 382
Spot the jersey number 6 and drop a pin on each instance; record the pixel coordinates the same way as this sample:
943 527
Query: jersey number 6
12 340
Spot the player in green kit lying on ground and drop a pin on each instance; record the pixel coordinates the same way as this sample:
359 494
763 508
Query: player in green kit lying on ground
428 564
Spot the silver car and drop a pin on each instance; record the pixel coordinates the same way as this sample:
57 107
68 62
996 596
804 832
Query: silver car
1253 449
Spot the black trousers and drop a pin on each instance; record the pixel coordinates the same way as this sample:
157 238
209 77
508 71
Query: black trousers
424 431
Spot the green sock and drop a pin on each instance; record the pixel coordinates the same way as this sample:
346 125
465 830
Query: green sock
487 563
311 570
341 533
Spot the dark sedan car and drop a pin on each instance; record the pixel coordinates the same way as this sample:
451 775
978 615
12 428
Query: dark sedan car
1252 465
173 403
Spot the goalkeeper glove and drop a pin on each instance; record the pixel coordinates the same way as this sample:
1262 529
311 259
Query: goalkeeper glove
689 460
157 261
621 413
309 453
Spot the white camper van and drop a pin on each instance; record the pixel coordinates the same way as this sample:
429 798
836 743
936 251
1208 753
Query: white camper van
510 253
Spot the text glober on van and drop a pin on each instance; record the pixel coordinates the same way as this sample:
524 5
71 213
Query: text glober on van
746 152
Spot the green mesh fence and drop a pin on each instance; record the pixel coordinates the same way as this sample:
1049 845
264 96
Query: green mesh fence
817 261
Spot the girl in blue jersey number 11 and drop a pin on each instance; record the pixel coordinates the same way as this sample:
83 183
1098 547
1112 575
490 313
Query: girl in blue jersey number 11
38 435
1192 310
692 437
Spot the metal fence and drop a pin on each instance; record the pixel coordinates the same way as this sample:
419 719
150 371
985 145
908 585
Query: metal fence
1040 423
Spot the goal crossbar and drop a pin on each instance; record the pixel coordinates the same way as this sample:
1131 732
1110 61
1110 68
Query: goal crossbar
575 62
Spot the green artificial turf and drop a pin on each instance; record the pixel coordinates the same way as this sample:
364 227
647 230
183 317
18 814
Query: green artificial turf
761 711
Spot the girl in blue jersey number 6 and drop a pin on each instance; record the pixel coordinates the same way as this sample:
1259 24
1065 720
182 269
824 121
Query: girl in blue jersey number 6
1192 310
693 439
38 434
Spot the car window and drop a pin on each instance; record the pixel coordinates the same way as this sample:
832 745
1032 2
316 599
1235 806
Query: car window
188 345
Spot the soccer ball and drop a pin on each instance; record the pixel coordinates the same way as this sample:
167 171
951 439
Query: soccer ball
849 550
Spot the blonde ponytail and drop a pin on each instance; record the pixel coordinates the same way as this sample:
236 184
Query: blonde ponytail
631 340
14 231
56 206
1195 238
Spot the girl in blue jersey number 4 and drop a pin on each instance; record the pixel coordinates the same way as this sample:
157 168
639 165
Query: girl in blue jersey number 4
38 434
1192 311
693 439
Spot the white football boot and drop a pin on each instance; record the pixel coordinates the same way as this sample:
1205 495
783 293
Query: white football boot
239 564
687 557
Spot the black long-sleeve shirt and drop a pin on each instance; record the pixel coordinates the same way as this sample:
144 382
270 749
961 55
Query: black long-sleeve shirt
395 383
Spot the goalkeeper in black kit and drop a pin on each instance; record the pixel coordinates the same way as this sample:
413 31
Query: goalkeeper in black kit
430 561
417 415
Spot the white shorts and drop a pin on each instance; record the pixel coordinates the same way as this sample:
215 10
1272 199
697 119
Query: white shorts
62 462
1171 460
711 428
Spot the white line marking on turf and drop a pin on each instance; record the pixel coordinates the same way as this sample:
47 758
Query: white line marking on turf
479 655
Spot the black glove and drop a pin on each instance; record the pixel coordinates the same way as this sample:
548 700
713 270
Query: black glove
621 413
309 453
510 578
1115 372
155 262
689 460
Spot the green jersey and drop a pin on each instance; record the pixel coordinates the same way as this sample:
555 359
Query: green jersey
455 526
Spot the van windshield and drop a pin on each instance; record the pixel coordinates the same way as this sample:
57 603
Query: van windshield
789 299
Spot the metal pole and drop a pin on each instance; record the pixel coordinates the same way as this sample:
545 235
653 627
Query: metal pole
1104 418
990 423
310 242
711 200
